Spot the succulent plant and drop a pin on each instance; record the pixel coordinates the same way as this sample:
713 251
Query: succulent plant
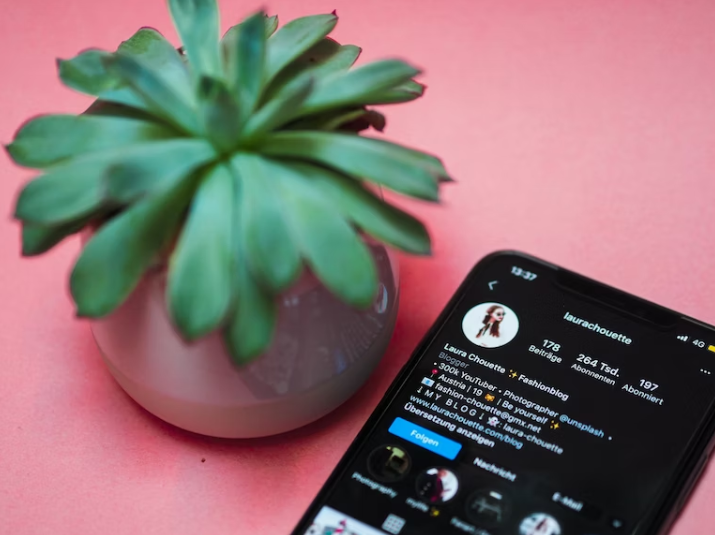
237 158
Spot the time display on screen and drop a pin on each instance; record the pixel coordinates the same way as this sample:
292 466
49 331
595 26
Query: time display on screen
526 275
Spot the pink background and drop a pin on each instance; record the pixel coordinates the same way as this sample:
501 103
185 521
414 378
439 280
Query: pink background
580 131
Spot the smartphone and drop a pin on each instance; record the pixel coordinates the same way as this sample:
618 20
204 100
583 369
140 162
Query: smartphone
540 403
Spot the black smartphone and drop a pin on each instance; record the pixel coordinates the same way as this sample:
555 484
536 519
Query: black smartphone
540 403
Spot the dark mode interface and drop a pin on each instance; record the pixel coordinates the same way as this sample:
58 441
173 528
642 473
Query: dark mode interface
533 412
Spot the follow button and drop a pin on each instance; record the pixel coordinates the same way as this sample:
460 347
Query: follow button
425 438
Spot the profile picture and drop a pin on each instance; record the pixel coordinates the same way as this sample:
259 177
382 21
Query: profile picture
437 485
388 463
490 325
539 524
487 507
332 522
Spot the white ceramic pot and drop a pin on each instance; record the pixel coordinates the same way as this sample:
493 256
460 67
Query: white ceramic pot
322 352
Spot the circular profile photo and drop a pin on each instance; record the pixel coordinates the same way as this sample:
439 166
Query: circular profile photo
490 325
487 507
539 524
437 485
388 463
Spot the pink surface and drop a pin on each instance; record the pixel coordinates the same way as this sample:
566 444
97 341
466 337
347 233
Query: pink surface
582 132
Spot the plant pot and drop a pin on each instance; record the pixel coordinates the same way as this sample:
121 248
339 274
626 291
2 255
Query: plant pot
322 352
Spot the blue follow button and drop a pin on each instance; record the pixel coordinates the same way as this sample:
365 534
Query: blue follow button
425 438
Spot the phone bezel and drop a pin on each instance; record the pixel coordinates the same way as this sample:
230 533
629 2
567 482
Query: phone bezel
664 510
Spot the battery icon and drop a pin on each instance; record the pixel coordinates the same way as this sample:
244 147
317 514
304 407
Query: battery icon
711 348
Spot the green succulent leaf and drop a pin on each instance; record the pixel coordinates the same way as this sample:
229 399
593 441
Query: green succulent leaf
319 52
66 192
334 121
432 163
246 57
250 329
340 60
381 162
199 291
50 139
113 262
357 86
231 35
158 93
86 72
272 253
327 121
293 39
105 108
405 92
321 60
197 22
153 50
271 25
350 120
330 246
38 239
373 215
277 111
220 113
152 167
108 178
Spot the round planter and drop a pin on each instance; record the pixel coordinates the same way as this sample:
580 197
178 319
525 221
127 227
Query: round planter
322 352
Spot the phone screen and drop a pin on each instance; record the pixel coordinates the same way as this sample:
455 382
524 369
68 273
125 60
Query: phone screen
529 410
